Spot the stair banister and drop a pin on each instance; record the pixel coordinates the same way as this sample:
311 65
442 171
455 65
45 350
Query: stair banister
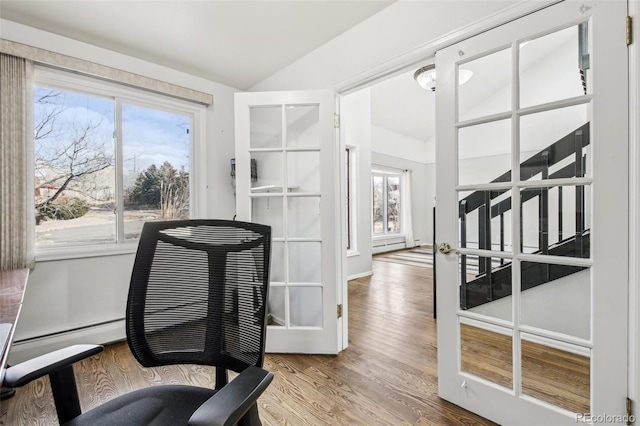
543 208
463 258
579 169
560 214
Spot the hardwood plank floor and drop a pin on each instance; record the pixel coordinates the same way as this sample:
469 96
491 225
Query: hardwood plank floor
387 375
558 377
486 354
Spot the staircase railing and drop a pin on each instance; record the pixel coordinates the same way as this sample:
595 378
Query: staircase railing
571 145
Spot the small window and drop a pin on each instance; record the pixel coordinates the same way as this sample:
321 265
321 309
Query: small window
104 165
386 207
349 199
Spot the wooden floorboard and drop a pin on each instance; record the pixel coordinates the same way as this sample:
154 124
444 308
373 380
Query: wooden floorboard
418 257
387 375
557 377
486 354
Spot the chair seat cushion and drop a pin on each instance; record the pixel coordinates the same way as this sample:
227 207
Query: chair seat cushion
157 405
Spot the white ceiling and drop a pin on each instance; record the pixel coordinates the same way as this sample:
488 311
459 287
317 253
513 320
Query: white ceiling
399 104
237 43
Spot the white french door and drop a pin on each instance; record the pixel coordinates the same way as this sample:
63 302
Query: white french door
287 176
532 217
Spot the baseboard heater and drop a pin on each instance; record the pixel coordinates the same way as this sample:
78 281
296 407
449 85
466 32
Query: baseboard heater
100 334
384 247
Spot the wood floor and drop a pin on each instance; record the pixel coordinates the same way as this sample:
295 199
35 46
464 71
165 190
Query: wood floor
387 376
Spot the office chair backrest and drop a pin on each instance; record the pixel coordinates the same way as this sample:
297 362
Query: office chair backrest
199 292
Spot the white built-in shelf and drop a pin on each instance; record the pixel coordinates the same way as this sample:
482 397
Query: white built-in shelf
273 188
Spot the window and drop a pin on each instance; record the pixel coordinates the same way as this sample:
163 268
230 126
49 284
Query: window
349 169
386 203
107 159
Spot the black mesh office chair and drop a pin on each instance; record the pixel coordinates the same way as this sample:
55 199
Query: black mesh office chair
198 295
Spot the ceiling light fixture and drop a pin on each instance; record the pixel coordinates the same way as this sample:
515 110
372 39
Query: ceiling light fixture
426 77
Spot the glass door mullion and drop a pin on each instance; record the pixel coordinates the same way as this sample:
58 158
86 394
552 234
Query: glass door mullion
579 100
516 219
385 204
285 217
120 235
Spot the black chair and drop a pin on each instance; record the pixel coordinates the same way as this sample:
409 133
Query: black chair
198 295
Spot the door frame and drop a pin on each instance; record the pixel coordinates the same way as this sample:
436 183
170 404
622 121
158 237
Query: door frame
425 52
634 204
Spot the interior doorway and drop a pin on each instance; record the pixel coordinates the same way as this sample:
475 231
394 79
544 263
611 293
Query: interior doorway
390 130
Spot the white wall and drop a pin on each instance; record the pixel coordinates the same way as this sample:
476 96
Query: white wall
398 151
394 144
355 110
73 301
397 29
562 306
66 294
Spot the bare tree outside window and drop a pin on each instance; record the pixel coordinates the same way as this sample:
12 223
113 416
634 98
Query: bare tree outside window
74 162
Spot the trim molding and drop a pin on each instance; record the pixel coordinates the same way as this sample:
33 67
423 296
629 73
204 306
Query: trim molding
424 51
69 63
360 275
634 206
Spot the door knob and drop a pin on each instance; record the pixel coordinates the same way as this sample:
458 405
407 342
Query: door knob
445 248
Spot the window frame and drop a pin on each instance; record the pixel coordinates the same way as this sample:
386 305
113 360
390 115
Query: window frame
385 174
120 93
351 197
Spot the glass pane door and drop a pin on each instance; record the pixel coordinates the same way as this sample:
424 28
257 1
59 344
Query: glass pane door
519 191
285 179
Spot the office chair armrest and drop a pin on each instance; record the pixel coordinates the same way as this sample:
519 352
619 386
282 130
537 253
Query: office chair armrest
27 371
230 403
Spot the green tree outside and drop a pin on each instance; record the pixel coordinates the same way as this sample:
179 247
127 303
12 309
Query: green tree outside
162 187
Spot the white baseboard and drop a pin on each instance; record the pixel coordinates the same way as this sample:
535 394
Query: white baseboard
360 275
98 334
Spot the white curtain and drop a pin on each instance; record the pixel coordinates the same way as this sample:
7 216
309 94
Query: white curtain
17 220
407 208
